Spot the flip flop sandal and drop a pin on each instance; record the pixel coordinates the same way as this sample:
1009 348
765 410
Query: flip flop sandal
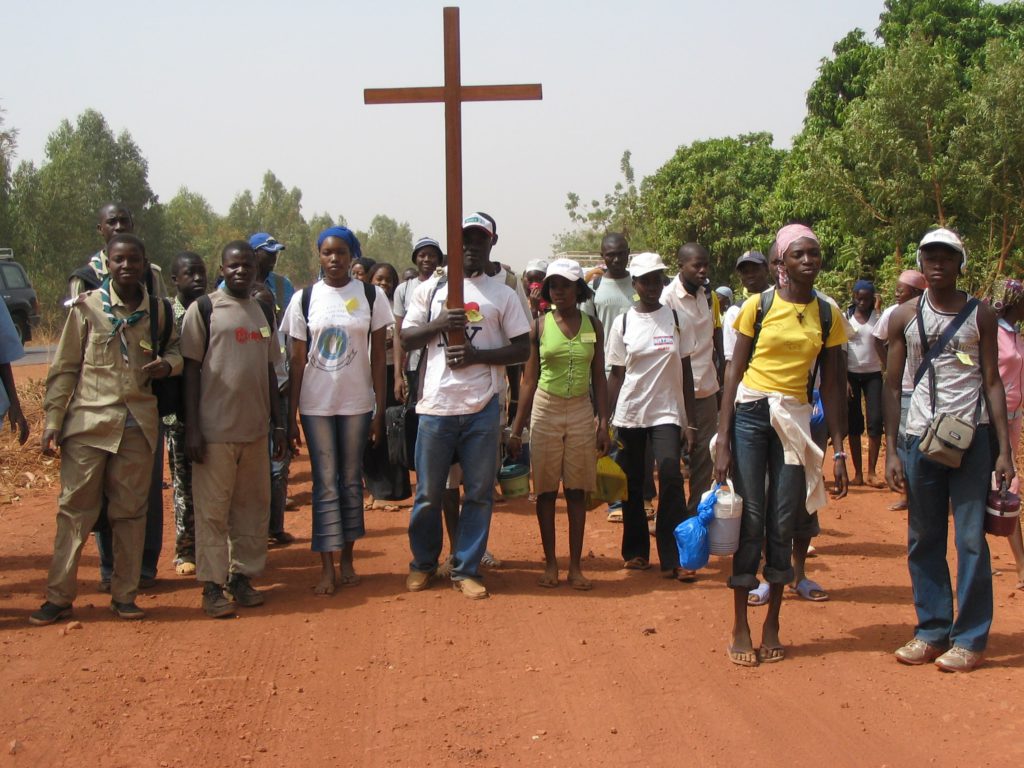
737 657
636 564
771 654
758 595
807 589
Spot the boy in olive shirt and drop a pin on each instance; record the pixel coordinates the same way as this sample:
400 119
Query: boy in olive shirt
230 397
101 410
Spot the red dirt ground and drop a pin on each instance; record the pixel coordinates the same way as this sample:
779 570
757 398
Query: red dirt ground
634 672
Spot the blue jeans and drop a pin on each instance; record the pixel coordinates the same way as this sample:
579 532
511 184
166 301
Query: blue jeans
336 445
279 471
475 436
931 488
768 518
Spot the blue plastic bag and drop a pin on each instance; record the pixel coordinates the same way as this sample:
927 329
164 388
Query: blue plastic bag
692 534
817 410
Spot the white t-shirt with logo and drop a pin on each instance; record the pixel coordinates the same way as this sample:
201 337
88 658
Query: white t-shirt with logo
337 380
651 350
495 316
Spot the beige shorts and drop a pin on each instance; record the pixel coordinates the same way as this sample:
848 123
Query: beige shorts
563 443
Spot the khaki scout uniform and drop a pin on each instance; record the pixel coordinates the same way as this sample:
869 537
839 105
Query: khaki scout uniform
106 419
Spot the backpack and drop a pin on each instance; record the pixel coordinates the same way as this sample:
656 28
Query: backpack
371 295
168 391
824 319
206 310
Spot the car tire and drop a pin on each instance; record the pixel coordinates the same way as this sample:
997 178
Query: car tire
21 324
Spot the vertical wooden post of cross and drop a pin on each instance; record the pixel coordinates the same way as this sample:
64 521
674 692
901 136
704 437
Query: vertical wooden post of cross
452 94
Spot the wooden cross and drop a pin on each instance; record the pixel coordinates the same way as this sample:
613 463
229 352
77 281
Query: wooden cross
452 93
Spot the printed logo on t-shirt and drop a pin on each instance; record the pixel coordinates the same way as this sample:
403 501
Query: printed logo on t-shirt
245 335
662 342
332 350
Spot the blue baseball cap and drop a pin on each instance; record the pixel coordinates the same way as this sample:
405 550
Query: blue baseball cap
266 242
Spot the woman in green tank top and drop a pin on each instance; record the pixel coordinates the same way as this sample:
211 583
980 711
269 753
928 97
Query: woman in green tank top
566 364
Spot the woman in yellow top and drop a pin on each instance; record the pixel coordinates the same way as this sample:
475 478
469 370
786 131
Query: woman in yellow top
567 356
765 418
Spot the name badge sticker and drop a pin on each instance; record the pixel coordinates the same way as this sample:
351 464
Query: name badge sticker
964 358
588 338
661 342
265 332
144 343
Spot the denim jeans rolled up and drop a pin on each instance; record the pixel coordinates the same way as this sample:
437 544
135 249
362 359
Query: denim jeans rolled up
336 445
931 488
768 515
663 444
475 436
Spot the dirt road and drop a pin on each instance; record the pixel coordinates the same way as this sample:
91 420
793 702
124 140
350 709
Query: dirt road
634 672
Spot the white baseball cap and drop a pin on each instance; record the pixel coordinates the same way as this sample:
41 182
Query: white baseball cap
539 265
642 263
946 237
479 221
567 268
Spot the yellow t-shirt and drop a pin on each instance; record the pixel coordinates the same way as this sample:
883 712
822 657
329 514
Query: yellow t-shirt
787 346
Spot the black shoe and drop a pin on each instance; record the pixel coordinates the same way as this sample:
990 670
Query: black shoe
147 582
281 538
103 586
128 611
49 613
240 589
216 604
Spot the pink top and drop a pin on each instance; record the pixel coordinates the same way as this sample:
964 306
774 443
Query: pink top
1011 366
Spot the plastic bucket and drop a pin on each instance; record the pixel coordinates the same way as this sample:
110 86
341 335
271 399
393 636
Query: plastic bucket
514 480
724 527
1002 514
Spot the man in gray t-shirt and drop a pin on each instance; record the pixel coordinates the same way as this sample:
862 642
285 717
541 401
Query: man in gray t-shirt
613 291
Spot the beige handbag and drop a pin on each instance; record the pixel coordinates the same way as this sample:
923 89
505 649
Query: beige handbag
947 439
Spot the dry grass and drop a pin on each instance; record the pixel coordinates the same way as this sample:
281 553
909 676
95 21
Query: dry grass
24 467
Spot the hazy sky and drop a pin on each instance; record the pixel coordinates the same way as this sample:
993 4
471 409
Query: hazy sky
216 93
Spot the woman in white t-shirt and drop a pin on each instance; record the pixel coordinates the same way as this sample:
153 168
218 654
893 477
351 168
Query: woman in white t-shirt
650 391
338 386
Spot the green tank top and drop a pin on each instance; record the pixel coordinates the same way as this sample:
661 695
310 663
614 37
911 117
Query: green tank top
565 363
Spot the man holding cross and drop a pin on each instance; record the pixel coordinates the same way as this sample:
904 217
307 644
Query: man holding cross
458 407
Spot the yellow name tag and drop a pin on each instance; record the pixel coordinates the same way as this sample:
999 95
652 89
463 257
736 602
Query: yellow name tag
588 338
636 297
265 332
351 305
964 358
144 343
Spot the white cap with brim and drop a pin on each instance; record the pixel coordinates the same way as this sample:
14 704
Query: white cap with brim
539 265
946 237
567 268
642 263
479 222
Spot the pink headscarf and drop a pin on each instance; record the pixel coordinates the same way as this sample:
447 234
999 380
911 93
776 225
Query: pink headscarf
913 278
789 234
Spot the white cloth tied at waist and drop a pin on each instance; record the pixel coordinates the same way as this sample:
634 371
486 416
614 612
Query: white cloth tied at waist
791 421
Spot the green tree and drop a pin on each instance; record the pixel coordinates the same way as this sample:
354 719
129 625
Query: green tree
892 170
841 80
713 192
387 240
619 212
54 206
8 149
992 139
276 210
191 224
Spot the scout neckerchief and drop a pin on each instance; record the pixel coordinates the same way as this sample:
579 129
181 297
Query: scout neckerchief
96 262
119 323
